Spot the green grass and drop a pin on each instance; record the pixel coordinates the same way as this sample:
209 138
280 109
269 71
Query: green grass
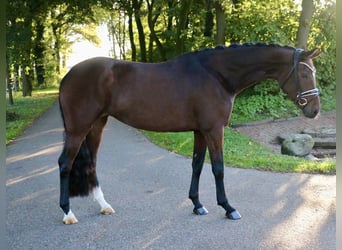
25 110
241 151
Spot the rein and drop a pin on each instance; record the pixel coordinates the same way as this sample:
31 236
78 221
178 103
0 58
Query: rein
301 95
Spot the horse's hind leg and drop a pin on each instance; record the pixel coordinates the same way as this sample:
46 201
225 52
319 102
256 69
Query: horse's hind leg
93 141
197 165
71 148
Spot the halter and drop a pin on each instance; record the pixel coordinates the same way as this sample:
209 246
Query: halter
301 95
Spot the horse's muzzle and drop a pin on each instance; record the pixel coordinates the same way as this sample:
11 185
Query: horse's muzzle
311 111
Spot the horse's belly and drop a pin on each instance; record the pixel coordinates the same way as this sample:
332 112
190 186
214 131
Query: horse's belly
155 119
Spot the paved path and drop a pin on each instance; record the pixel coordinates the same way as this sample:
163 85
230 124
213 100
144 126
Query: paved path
148 188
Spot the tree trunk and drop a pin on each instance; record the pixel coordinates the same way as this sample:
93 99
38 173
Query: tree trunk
153 36
8 83
27 82
136 7
182 25
304 23
209 22
220 23
131 35
57 49
39 53
9 89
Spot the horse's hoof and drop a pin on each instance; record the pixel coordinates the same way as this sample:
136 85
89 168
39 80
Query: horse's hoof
235 215
200 211
69 218
107 210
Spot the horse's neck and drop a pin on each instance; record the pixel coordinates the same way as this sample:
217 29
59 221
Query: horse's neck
241 72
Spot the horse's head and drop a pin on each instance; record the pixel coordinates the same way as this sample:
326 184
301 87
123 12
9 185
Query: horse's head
300 82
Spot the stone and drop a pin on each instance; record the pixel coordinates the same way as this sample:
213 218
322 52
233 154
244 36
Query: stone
297 145
284 136
321 132
325 142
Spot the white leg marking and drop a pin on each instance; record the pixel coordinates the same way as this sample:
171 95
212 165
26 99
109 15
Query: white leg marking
69 218
105 207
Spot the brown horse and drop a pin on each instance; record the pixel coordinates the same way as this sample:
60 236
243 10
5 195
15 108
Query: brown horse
192 92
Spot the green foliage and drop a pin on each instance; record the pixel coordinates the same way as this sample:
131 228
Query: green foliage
26 109
323 36
262 101
39 37
267 101
256 20
240 151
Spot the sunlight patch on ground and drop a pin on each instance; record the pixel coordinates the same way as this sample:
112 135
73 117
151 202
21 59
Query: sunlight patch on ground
309 216
32 174
22 157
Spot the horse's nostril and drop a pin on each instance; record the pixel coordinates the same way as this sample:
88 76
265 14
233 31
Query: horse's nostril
315 113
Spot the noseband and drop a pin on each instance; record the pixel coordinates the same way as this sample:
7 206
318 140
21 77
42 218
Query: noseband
301 97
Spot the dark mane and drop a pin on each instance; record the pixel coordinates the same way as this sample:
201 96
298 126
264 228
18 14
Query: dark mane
256 45
243 45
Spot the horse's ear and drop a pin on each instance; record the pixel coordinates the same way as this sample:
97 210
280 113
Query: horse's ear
311 53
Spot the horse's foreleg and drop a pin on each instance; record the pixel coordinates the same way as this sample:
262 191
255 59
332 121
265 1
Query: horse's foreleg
65 161
200 147
93 142
215 145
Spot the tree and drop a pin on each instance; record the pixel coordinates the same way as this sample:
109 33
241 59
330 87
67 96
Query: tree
152 19
220 22
209 22
19 42
8 84
125 7
117 33
182 25
136 4
40 27
304 24
70 19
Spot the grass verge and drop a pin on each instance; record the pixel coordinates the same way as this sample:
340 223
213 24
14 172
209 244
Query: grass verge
25 110
241 151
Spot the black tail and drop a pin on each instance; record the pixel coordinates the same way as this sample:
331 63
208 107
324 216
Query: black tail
82 178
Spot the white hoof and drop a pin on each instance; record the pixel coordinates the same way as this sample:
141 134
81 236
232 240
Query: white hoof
69 218
107 210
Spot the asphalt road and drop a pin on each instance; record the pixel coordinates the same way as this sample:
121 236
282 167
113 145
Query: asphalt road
148 188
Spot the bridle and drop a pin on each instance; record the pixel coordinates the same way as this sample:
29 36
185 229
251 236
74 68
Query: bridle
301 97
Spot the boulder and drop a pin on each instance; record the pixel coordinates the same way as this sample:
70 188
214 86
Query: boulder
297 145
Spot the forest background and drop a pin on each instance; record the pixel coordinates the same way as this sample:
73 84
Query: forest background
40 35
